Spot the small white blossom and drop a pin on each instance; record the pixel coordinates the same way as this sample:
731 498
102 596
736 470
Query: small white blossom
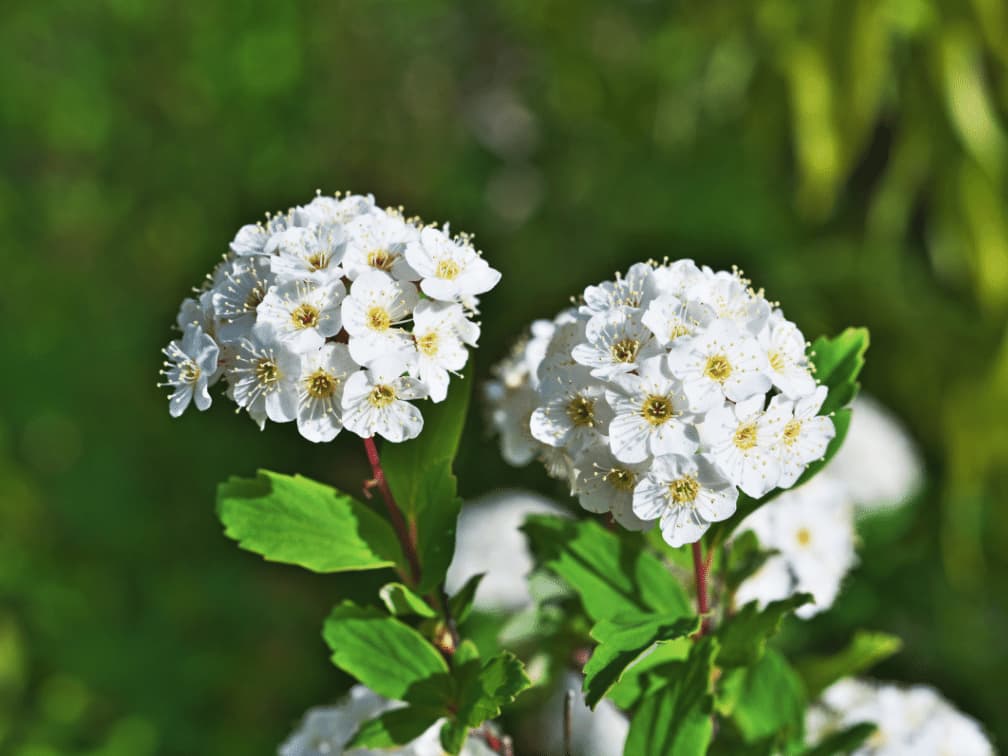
649 415
377 241
669 320
374 313
263 381
320 391
617 342
191 364
686 494
199 311
575 414
726 296
329 210
803 435
376 402
632 291
251 239
300 314
236 298
785 350
452 270
604 484
439 349
307 254
743 441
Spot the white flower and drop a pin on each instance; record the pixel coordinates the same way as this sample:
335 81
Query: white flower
617 342
722 362
726 296
300 314
879 462
680 279
913 720
251 239
452 271
575 414
743 441
803 435
489 540
648 415
439 348
377 241
373 314
631 291
510 409
191 363
550 350
339 209
307 254
785 350
686 494
199 311
236 298
320 391
604 484
812 530
263 380
375 402
668 319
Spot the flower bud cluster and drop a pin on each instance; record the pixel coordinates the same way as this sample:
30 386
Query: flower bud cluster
661 395
333 314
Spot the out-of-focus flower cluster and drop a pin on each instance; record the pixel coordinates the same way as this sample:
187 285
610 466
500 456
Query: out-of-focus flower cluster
914 720
661 395
335 314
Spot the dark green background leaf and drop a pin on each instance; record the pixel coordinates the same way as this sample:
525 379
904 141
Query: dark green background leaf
865 650
744 635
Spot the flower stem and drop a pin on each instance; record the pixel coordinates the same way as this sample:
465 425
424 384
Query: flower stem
700 568
407 539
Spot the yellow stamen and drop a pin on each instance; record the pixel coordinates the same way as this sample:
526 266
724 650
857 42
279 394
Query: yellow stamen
381 396
378 319
305 316
581 411
321 385
625 350
657 409
684 490
381 259
718 368
447 269
745 436
621 479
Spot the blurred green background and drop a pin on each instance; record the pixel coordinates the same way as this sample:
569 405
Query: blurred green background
850 155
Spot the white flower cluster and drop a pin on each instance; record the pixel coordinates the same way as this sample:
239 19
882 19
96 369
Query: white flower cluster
663 394
334 314
325 731
913 721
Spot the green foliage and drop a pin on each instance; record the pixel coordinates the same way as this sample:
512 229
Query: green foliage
845 741
295 520
621 640
401 601
864 651
461 603
481 688
395 727
764 700
391 658
674 717
420 475
611 574
743 558
634 681
744 635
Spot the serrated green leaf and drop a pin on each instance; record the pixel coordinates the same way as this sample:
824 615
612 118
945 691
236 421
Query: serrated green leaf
482 688
395 727
763 700
744 635
838 361
295 520
865 650
621 640
633 684
609 573
419 472
391 658
401 601
675 718
462 602
844 742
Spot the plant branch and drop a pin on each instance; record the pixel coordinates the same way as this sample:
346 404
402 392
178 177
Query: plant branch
407 538
700 568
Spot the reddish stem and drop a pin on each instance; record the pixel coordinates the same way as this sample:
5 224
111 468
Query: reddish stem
407 537
700 568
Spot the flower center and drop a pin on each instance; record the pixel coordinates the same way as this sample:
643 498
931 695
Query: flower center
678 330
428 343
657 409
791 432
254 299
447 269
625 350
378 319
581 411
321 385
684 490
317 261
621 479
804 537
381 259
266 372
189 371
776 361
381 396
718 368
745 436
305 316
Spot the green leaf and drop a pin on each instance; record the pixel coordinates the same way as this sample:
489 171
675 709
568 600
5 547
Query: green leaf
395 727
622 640
633 684
674 718
612 575
846 741
838 361
743 558
481 689
462 602
865 650
401 601
744 635
763 700
391 658
295 520
419 472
